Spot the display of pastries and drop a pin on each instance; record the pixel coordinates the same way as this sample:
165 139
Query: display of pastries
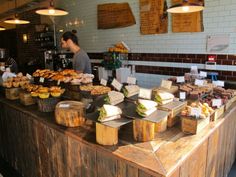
15 82
95 90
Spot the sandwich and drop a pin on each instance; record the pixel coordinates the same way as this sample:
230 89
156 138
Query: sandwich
145 107
114 98
130 90
109 112
163 97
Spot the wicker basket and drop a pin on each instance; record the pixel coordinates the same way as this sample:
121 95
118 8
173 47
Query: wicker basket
47 105
12 93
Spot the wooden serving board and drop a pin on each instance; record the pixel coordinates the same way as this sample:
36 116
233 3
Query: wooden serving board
114 15
187 22
153 16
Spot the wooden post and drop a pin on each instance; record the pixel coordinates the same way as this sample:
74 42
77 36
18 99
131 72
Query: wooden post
106 135
161 126
143 130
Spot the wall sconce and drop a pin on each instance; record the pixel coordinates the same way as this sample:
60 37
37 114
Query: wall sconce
25 38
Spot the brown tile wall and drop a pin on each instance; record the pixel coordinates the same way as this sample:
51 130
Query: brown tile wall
178 58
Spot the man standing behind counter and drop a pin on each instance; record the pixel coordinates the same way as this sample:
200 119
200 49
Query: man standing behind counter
81 61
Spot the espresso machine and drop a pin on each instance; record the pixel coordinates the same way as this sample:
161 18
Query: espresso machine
63 60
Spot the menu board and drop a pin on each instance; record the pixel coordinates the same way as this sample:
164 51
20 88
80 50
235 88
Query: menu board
115 15
187 22
153 16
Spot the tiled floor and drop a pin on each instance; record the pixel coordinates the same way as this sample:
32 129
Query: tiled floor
7 171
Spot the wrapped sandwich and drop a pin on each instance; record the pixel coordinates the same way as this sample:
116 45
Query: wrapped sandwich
163 97
130 90
114 98
146 107
109 112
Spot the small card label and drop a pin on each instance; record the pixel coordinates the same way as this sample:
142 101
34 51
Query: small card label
217 102
131 80
182 95
28 76
196 112
41 79
64 106
166 84
203 74
103 82
199 82
219 83
58 82
180 79
145 93
116 84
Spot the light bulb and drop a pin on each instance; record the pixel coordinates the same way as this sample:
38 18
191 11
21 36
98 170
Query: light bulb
51 11
17 21
185 8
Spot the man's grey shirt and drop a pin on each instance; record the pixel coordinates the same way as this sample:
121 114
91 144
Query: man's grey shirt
81 62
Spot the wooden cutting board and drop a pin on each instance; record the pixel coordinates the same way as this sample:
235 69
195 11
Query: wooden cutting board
189 22
115 15
153 16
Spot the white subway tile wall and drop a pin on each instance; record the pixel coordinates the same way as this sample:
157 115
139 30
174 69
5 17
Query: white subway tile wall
219 18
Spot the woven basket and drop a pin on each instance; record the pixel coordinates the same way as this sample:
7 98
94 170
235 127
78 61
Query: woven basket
47 105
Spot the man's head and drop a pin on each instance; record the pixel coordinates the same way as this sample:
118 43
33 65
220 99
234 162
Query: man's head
68 40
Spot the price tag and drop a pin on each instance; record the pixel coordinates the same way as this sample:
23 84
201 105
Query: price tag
28 76
41 79
145 93
217 102
116 84
131 80
58 82
219 83
196 112
166 84
103 82
182 95
203 74
199 82
64 106
180 79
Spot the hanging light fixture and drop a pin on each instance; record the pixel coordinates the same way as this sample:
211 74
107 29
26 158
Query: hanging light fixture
51 10
2 28
16 20
186 7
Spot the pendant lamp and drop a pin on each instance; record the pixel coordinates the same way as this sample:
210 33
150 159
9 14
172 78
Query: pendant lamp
186 7
16 19
2 28
51 10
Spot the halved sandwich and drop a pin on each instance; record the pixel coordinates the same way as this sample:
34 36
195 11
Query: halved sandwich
146 107
130 90
163 97
109 112
114 98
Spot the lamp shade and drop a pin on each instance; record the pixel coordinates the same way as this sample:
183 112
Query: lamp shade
16 21
2 28
186 7
51 10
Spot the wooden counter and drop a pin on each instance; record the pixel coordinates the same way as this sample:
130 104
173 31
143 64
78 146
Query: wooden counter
35 146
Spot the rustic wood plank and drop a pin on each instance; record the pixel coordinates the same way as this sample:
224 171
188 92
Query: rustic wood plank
153 16
176 173
88 159
132 171
121 169
187 22
106 165
195 165
212 154
114 15
74 158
